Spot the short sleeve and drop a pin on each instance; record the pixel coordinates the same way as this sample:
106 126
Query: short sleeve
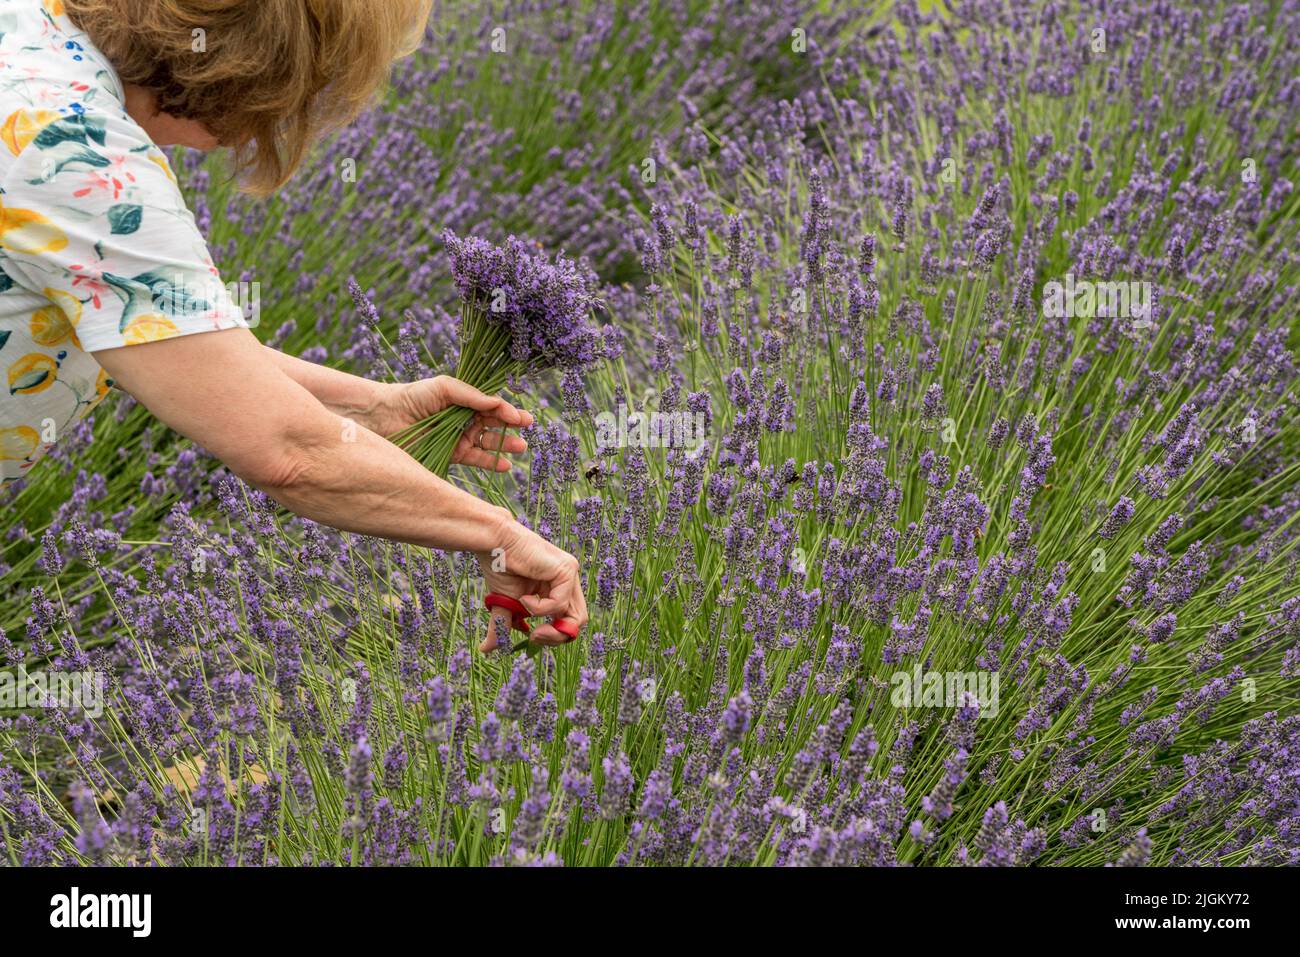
91 218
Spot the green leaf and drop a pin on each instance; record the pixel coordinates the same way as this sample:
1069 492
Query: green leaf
79 154
170 297
28 380
155 291
78 128
4 337
124 218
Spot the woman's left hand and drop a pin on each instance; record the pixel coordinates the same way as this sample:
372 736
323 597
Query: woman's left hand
484 440
386 408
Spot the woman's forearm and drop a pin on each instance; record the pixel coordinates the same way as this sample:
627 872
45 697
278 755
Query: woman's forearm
347 395
224 391
352 479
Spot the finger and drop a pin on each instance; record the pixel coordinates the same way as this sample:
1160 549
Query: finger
463 394
577 613
490 461
498 630
556 602
492 422
513 444
546 634
493 441
579 607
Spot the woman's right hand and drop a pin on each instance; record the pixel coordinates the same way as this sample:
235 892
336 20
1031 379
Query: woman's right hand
543 577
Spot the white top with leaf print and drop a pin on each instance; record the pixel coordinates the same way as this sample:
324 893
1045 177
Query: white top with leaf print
97 247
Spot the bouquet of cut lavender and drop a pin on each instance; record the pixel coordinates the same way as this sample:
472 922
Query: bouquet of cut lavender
520 314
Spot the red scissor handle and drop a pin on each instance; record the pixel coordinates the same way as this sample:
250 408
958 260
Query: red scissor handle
519 615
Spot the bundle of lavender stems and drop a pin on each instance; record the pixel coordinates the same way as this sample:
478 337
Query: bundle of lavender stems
520 314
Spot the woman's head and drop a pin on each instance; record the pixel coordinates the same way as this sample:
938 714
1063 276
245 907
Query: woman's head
265 77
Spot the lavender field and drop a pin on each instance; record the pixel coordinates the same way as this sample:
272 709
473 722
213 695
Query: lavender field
921 405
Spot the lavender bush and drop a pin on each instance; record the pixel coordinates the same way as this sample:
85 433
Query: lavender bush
935 493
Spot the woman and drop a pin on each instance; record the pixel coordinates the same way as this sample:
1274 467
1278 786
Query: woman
105 280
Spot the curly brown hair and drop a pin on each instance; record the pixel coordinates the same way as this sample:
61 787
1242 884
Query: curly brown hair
266 77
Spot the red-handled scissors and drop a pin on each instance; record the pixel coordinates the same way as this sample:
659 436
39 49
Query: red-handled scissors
519 619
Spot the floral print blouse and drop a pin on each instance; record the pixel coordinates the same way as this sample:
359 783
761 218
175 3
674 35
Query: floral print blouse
97 247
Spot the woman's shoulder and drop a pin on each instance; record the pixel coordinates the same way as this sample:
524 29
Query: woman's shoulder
57 92
47 64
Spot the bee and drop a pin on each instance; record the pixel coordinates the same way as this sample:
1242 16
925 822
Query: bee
593 470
